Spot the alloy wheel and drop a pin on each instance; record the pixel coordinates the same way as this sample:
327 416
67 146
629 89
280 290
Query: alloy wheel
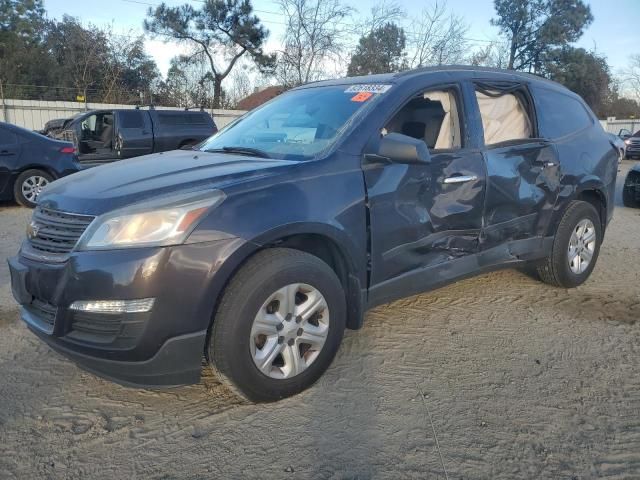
32 186
582 246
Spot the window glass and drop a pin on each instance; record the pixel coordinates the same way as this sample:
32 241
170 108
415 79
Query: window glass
560 114
504 117
183 118
297 125
131 119
7 137
431 117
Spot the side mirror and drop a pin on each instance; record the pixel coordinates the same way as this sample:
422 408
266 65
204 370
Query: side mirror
403 149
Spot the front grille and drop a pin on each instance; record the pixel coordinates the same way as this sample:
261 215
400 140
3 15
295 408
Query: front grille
52 231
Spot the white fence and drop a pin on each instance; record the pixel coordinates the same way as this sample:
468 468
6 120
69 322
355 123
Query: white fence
614 126
33 114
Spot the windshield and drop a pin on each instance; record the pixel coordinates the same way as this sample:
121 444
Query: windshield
296 126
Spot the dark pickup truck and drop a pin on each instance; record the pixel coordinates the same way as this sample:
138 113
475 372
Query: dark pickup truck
107 135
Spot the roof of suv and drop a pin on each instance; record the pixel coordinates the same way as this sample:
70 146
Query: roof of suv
464 71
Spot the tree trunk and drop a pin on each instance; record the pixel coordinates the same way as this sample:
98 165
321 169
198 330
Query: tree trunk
217 91
512 52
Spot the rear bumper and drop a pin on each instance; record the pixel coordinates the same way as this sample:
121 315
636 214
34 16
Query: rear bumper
161 347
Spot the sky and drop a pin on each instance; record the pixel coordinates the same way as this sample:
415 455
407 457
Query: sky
615 31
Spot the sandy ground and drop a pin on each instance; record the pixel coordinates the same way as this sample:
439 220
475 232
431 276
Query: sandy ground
518 379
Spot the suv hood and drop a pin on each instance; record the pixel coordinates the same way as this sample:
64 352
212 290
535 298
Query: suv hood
108 187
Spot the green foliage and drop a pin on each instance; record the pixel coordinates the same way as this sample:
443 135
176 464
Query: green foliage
535 27
380 51
221 28
583 72
57 60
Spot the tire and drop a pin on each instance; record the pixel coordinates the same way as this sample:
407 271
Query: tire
556 268
234 346
28 186
628 191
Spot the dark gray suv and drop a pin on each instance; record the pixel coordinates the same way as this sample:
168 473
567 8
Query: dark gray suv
258 249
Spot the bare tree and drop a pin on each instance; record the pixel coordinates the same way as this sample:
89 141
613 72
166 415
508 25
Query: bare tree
316 34
437 37
630 77
387 11
495 54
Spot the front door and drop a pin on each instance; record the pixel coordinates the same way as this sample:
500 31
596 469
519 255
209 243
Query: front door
424 215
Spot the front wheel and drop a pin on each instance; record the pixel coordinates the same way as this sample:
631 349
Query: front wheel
28 186
279 325
575 247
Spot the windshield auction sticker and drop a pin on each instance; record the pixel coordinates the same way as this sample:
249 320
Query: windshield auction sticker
368 88
361 97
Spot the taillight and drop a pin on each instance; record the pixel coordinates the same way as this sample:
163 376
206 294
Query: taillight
68 150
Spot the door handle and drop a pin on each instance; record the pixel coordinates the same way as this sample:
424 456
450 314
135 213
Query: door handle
460 179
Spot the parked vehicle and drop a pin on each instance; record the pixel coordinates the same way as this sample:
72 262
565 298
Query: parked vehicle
633 145
620 145
30 161
107 135
258 249
631 188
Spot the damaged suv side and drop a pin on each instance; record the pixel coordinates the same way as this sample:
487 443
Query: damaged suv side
261 247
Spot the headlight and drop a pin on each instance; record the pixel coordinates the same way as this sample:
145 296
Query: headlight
627 141
165 221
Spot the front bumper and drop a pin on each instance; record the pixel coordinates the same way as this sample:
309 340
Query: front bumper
163 347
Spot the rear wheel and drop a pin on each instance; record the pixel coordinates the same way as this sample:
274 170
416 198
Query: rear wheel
575 247
279 325
629 191
29 185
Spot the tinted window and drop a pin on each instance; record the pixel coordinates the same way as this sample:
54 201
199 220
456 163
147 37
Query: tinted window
183 118
560 114
6 137
132 119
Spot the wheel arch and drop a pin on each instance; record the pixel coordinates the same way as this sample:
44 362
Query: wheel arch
319 240
592 192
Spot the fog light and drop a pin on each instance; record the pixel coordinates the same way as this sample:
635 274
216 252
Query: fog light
113 306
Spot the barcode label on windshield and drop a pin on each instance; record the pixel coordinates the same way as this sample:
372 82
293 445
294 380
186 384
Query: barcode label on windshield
370 88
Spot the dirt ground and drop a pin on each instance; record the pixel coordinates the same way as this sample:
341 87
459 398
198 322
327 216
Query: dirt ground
517 380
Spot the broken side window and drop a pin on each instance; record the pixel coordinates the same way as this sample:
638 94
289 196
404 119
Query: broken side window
432 117
505 116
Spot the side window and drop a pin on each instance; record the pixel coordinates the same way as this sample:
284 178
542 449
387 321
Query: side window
504 116
560 114
7 137
432 117
131 119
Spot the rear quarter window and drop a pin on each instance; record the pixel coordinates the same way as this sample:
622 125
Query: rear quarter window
132 119
183 118
559 114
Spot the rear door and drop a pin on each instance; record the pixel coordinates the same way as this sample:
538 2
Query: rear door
523 172
9 151
134 133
